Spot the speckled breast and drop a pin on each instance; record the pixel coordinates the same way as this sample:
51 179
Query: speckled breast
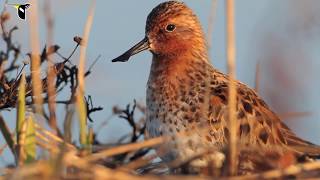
174 107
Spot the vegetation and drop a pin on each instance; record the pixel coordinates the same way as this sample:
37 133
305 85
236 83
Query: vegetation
130 158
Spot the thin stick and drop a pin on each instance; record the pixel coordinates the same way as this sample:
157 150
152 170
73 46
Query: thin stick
278 173
125 148
50 69
52 136
35 58
133 165
231 56
7 135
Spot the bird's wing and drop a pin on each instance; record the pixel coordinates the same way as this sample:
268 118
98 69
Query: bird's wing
259 125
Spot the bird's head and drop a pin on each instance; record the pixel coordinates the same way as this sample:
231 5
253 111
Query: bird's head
171 30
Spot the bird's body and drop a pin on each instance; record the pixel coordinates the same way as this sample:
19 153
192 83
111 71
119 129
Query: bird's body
194 99
185 93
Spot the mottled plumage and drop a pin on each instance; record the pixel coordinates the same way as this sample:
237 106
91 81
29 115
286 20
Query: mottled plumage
185 93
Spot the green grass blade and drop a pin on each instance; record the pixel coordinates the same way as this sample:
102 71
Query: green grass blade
30 141
21 109
90 139
82 112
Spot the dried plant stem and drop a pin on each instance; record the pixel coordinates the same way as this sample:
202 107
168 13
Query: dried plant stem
50 71
47 146
280 173
139 162
81 71
125 148
7 135
44 133
231 56
35 58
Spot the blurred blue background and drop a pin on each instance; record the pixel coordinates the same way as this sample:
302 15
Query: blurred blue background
281 36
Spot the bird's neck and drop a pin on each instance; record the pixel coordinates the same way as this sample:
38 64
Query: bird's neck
173 68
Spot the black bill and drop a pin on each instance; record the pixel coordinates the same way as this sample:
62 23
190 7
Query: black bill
141 46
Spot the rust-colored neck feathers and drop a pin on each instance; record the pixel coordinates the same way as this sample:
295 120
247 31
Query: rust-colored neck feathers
174 51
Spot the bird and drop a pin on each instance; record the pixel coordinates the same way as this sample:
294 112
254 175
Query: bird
186 93
21 9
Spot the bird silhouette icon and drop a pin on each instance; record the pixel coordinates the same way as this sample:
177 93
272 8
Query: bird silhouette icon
21 8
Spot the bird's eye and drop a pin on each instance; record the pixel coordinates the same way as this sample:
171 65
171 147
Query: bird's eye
170 27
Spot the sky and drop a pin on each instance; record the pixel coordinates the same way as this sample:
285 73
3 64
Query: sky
280 36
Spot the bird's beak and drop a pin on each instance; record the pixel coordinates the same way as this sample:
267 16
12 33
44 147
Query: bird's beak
141 46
